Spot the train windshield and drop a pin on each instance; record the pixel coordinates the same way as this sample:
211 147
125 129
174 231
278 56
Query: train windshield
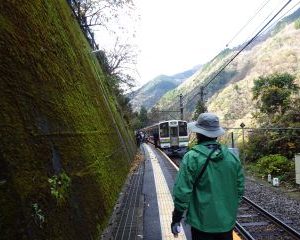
182 129
164 130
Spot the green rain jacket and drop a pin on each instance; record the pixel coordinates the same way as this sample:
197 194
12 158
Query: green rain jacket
212 205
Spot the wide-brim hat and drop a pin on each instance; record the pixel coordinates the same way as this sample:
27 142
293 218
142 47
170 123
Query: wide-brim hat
208 125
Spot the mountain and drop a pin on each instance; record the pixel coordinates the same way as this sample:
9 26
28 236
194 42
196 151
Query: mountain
229 94
152 91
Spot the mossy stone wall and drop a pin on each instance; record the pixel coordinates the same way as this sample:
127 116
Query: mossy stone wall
57 117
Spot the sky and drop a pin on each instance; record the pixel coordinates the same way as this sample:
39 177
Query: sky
176 35
172 36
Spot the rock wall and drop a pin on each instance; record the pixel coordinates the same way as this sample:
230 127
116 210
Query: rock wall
65 151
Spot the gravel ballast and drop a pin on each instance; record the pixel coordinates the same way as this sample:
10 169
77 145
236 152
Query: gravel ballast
275 200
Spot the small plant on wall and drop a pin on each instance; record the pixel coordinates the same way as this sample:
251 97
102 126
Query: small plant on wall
38 215
59 186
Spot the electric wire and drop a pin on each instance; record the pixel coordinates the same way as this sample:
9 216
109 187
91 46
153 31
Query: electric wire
283 16
261 31
248 22
266 18
191 99
259 9
246 45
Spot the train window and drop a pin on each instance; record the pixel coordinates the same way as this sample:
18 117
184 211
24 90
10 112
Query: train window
164 130
182 129
173 131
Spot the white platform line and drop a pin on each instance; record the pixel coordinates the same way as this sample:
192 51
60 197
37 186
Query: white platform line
166 156
164 198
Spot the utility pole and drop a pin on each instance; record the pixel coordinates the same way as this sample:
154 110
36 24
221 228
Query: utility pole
242 125
204 109
202 94
181 106
202 98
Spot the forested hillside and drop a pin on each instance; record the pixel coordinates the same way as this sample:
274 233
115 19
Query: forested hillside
229 95
152 91
65 150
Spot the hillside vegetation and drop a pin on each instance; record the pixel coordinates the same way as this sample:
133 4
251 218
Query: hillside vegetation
229 95
64 150
152 91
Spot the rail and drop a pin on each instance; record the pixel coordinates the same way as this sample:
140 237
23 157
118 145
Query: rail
248 224
253 221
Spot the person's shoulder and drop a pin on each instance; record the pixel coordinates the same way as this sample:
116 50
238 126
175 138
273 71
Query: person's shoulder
194 152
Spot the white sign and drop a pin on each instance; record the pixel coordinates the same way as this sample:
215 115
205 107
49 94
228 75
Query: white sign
269 178
275 182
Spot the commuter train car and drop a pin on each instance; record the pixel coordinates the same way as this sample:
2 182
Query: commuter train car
171 135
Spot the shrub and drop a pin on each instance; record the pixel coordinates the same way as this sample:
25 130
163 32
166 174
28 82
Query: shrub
276 165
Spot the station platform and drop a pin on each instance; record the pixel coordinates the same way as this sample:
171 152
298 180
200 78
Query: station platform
144 208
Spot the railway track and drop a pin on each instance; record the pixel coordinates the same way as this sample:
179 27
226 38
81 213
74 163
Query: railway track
126 227
255 223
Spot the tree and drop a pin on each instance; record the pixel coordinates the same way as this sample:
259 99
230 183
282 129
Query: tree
280 109
109 20
273 92
153 115
143 116
200 108
121 59
118 63
297 24
98 12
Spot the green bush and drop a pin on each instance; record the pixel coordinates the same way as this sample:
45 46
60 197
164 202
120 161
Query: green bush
297 24
276 165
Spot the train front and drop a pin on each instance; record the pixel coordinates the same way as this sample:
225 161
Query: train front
173 136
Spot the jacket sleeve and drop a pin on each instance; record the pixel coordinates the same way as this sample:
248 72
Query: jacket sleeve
183 186
240 182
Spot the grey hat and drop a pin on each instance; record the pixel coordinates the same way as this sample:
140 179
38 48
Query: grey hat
208 125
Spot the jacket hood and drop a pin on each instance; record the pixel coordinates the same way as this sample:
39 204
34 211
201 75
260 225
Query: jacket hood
205 148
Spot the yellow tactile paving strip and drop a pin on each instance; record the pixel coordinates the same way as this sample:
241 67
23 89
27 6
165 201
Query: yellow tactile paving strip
235 236
164 198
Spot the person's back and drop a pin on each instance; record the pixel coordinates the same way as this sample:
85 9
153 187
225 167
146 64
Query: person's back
214 201
138 139
211 202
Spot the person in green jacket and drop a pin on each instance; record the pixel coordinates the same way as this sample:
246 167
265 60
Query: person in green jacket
211 200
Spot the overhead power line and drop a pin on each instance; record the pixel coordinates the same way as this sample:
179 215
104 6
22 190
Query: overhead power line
246 45
283 16
234 54
262 30
250 20
267 17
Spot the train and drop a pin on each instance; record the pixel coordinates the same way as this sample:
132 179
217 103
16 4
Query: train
171 136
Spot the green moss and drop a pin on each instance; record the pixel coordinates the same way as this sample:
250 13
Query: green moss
57 113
